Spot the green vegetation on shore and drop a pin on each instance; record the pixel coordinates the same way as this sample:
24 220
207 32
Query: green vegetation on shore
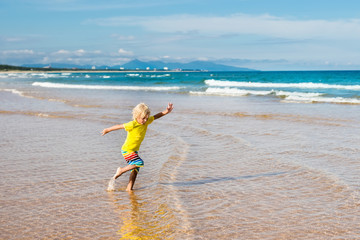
17 68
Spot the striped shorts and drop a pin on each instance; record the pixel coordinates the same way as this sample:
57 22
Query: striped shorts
132 158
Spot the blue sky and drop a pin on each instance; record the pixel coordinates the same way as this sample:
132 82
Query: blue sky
259 34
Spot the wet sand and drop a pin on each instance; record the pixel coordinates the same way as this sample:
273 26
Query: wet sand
215 168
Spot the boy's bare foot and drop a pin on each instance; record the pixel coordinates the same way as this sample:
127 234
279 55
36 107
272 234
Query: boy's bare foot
118 173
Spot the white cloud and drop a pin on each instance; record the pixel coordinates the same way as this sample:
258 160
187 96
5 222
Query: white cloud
203 59
86 5
19 52
123 37
80 56
62 52
80 52
125 53
20 56
13 39
76 53
266 25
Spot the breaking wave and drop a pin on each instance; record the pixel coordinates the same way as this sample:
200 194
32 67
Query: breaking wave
304 85
287 96
104 87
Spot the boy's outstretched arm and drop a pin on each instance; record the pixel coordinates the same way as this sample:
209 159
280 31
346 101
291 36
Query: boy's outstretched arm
168 110
113 128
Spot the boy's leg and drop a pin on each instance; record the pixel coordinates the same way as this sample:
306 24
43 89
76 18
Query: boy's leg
120 170
132 179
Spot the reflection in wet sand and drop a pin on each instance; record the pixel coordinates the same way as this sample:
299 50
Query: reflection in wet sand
141 218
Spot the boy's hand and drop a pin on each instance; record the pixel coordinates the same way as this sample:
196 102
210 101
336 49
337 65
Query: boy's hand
113 128
105 131
169 108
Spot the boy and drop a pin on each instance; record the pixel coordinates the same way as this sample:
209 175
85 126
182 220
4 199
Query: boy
136 133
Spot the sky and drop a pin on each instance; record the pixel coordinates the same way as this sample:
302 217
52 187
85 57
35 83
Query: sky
258 34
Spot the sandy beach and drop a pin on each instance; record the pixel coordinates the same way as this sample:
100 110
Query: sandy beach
218 167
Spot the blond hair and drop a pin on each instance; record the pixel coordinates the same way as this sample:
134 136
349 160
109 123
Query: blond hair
141 110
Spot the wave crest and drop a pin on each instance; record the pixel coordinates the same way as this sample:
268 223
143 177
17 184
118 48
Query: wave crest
301 97
304 85
102 87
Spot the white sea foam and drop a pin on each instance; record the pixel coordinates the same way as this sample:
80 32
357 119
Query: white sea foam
14 75
133 75
297 94
232 92
46 75
34 75
303 97
342 100
14 91
148 75
3 75
314 97
305 85
162 75
244 92
102 87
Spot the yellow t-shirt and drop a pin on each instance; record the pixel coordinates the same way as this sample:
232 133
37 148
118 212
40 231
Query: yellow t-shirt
136 134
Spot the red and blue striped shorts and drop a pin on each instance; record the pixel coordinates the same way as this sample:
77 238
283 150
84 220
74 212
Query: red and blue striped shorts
132 158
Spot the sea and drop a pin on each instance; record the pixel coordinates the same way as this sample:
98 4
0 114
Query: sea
243 155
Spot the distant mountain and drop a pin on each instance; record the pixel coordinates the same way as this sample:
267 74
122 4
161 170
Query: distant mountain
137 64
196 65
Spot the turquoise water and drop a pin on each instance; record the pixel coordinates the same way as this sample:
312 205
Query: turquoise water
303 87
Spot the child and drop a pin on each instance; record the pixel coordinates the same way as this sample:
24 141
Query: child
136 133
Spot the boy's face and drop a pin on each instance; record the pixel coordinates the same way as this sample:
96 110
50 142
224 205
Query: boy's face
142 119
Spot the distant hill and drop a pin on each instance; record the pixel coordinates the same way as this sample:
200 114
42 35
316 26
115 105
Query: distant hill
195 65
151 65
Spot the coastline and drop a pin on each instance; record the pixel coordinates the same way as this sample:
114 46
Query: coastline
153 71
95 71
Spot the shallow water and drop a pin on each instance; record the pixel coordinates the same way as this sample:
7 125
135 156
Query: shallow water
215 168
